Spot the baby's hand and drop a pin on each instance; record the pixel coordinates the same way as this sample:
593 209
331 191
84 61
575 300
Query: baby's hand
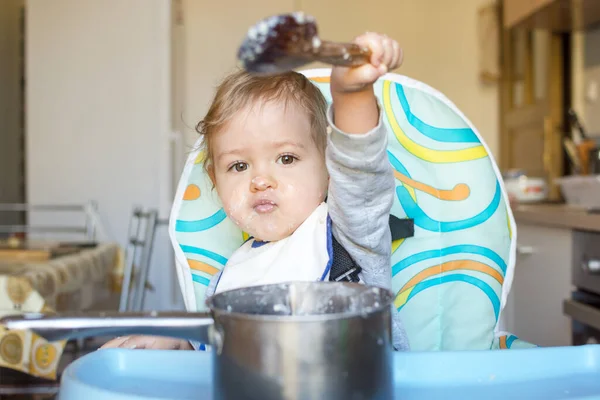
354 101
386 55
148 342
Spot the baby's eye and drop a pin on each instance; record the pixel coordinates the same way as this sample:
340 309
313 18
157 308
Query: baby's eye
239 167
286 159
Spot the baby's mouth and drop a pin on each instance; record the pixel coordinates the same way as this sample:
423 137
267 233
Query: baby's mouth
264 206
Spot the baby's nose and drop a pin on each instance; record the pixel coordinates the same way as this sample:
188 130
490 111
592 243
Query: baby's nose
262 183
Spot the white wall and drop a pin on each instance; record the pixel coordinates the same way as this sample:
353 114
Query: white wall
98 112
439 38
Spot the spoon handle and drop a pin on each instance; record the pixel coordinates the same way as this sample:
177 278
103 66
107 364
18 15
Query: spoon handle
189 326
342 54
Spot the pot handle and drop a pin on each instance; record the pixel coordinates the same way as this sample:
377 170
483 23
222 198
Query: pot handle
189 326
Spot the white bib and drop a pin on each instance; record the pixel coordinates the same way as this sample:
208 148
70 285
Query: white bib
306 255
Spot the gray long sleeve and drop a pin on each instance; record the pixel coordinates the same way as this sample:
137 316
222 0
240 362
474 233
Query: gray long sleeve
360 198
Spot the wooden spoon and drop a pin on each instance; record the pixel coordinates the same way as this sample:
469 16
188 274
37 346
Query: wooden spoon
284 42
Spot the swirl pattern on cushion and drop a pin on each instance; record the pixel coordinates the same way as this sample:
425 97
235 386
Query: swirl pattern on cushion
452 278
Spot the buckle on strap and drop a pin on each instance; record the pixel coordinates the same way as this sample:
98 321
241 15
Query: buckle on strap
350 276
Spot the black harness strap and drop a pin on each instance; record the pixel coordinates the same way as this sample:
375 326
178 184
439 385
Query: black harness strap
345 269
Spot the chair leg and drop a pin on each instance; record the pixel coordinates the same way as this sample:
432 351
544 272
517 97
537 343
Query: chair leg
132 246
144 268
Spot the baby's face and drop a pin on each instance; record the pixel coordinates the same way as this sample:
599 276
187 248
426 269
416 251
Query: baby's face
268 170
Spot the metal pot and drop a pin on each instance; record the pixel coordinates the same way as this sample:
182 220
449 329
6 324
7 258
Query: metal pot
321 340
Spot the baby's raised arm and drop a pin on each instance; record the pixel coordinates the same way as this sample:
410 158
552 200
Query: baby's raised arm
361 187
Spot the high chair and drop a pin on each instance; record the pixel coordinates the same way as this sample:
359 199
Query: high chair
452 276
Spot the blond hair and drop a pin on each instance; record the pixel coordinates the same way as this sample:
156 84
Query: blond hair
241 89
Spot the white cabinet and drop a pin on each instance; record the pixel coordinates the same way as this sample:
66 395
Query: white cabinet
542 281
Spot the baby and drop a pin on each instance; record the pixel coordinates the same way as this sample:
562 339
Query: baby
315 202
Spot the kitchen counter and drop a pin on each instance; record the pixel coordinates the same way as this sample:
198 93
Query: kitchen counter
551 242
557 216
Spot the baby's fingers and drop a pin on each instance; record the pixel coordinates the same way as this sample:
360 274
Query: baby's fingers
373 42
388 52
140 342
114 343
398 56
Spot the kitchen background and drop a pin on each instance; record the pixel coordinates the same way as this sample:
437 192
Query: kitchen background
113 90
98 101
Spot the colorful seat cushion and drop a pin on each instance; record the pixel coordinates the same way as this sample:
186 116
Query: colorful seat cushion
453 276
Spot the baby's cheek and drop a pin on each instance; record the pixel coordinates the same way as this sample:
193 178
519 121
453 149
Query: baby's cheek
235 218
244 221
234 207
290 188
296 191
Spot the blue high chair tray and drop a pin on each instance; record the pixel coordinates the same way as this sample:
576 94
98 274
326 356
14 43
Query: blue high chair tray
549 373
